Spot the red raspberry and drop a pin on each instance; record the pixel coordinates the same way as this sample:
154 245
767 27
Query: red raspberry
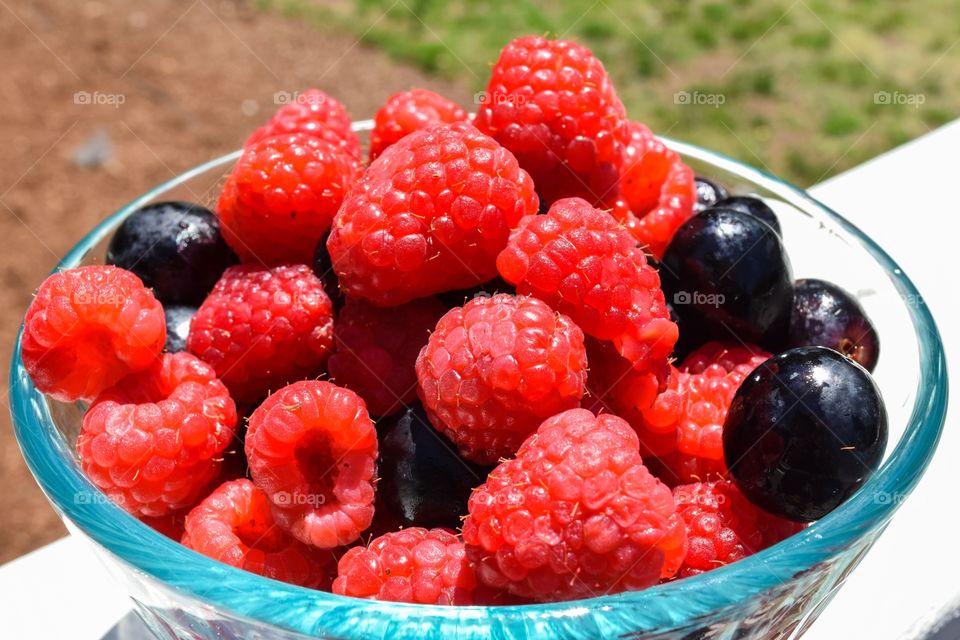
657 190
281 196
410 111
170 525
154 441
584 264
495 369
234 525
315 113
551 103
263 327
312 448
574 515
87 328
723 526
429 215
414 565
650 405
710 376
376 350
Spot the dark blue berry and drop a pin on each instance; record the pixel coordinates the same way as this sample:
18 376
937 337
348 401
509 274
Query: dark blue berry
727 275
323 268
423 482
825 315
708 193
178 319
804 431
175 248
753 206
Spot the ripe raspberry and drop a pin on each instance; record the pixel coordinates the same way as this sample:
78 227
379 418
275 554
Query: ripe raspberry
415 565
263 327
495 369
657 190
376 350
88 327
551 103
650 403
315 113
154 441
710 376
312 449
582 263
723 526
234 525
574 515
429 215
410 111
281 196
170 525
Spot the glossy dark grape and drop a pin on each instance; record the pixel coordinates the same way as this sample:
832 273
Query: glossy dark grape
323 267
827 316
178 326
423 481
708 193
727 274
805 430
175 248
753 206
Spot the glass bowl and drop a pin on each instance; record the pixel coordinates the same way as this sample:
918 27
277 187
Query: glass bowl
776 593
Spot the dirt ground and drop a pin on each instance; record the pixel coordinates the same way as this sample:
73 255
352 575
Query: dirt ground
101 100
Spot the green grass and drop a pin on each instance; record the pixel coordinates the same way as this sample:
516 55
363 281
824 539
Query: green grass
799 78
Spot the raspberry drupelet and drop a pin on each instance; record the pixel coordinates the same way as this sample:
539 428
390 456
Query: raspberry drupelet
409 111
281 196
495 368
155 440
429 215
234 525
552 104
261 328
415 565
376 351
87 328
581 262
315 113
312 449
723 526
574 515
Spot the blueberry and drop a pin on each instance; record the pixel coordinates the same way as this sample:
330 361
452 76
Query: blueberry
753 206
175 248
423 482
323 267
804 431
178 319
727 275
825 315
708 193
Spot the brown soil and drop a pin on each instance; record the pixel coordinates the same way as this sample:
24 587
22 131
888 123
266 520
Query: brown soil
194 78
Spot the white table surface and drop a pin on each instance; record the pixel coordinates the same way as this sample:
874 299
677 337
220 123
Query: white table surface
907 201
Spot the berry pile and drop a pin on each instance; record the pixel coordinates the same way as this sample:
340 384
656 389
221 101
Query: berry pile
537 327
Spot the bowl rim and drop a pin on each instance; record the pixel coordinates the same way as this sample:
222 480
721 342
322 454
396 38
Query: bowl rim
660 607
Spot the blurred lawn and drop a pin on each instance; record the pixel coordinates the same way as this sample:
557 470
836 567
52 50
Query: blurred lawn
805 88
